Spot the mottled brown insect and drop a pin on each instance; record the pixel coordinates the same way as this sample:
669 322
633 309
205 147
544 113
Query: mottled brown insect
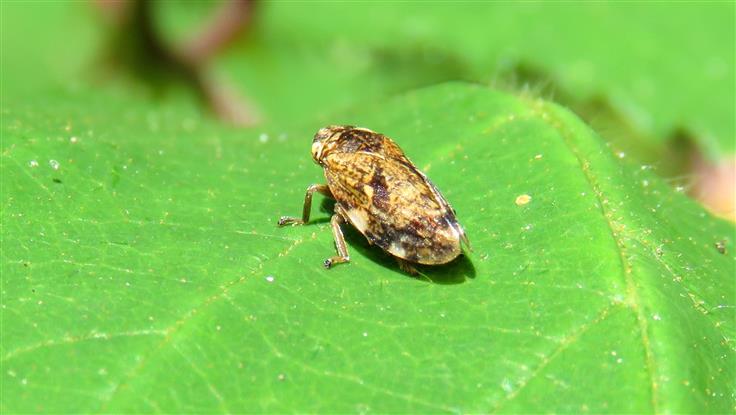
383 195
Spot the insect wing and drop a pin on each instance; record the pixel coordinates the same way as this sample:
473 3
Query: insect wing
390 202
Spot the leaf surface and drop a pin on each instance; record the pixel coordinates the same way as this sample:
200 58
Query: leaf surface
143 269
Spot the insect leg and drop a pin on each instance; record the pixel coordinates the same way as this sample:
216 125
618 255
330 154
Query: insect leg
342 249
289 220
407 267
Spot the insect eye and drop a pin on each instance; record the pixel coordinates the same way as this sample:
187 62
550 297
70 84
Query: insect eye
317 150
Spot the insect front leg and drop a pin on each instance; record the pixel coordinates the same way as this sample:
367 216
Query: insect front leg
342 249
289 220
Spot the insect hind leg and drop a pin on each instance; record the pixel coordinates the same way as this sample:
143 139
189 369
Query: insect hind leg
407 267
342 249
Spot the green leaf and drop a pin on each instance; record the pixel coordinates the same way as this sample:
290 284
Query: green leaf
146 271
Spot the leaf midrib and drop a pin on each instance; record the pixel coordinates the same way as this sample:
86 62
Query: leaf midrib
633 297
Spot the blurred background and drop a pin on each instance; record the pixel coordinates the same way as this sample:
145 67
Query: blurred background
655 79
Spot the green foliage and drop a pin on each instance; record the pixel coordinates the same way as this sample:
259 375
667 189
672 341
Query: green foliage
142 269
147 273
660 66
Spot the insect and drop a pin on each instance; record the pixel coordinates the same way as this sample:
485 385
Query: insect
384 196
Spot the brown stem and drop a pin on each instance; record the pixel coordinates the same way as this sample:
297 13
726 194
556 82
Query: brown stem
142 50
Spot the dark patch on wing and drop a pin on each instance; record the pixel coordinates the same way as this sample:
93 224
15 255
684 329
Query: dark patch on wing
416 247
350 142
356 140
379 186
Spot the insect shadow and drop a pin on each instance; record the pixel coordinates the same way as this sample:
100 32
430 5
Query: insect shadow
456 272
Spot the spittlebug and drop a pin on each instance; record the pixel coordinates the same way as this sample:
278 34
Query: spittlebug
383 195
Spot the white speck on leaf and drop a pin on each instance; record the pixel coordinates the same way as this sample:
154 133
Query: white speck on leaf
33 163
270 278
657 317
263 138
54 164
506 385
73 139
